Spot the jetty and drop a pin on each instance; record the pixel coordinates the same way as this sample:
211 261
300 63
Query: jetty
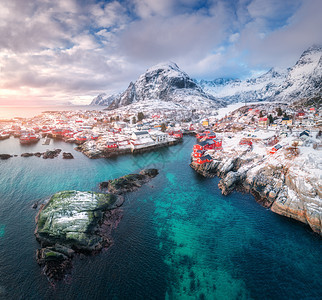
46 141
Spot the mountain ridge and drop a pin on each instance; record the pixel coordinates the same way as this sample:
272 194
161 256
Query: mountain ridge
166 82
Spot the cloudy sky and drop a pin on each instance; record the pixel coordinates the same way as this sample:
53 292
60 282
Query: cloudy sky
59 51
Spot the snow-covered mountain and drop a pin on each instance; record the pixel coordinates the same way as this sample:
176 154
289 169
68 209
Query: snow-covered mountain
303 80
167 83
104 99
255 89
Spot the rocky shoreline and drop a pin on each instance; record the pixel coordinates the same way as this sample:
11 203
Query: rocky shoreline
275 184
81 223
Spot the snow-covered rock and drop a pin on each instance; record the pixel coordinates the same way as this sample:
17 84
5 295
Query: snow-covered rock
104 99
166 83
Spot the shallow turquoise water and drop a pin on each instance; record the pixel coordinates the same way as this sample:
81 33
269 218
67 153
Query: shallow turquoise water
179 237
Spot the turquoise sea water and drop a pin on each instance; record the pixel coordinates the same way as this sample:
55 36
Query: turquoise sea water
179 237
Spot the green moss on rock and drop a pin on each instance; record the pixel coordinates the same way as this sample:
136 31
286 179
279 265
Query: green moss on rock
71 217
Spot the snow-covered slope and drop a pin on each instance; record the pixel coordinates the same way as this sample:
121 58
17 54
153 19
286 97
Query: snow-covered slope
303 80
255 89
166 82
104 99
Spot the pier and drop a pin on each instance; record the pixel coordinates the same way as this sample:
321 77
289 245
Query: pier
46 141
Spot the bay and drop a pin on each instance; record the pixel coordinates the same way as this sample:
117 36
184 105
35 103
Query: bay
179 237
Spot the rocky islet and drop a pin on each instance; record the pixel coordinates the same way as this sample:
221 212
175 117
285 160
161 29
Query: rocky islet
75 222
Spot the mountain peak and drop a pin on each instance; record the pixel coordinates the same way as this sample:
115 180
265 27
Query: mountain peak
166 82
314 48
164 65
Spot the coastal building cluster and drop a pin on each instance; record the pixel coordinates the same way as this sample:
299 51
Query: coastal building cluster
268 127
102 133
106 133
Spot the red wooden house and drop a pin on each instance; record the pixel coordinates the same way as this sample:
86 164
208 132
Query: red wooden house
111 145
210 135
245 141
275 148
81 138
210 144
200 135
198 153
218 144
200 146
177 134
204 159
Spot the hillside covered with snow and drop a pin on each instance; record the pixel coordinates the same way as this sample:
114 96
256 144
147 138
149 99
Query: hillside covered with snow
303 80
165 83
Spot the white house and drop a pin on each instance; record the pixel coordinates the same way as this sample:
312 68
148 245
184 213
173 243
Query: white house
139 135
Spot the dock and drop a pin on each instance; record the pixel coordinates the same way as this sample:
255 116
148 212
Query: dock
46 141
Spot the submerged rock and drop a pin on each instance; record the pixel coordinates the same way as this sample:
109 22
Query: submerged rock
129 183
5 156
51 153
67 155
27 154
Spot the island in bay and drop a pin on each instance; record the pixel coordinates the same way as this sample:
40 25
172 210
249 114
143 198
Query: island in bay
74 222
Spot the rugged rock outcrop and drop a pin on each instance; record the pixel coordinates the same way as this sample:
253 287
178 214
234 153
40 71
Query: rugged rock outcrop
27 154
129 183
277 183
67 155
51 153
74 222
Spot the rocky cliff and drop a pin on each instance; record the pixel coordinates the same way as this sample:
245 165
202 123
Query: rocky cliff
288 186
104 99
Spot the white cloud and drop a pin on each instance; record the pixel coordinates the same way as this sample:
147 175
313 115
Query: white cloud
68 49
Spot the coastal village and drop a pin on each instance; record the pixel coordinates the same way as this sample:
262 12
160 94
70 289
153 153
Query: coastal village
261 128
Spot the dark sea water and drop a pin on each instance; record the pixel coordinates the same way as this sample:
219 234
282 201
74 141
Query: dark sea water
179 237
